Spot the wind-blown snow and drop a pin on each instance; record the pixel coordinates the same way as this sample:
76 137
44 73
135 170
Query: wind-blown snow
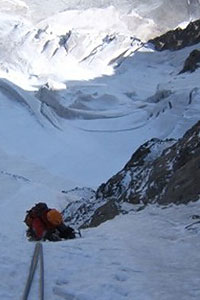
79 92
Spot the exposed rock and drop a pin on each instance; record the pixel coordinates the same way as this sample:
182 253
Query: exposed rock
162 172
178 38
82 204
104 213
182 163
149 176
155 176
191 63
130 183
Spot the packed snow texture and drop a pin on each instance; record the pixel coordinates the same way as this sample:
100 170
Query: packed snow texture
144 255
80 91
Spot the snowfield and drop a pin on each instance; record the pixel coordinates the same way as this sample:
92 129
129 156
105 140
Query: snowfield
143 255
80 91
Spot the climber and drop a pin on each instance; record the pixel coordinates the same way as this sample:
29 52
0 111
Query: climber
46 224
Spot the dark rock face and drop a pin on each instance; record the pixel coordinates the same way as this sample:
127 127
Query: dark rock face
182 163
154 176
178 38
162 172
191 63
78 211
169 178
128 184
104 213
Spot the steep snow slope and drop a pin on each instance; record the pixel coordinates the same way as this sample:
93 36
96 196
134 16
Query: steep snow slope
146 255
76 99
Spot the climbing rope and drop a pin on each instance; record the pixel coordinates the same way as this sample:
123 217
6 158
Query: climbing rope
37 256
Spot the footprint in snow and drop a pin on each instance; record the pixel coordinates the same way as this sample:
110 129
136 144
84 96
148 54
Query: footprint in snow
130 270
115 263
121 277
63 294
61 282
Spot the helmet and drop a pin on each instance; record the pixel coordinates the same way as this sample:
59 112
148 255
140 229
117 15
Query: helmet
54 217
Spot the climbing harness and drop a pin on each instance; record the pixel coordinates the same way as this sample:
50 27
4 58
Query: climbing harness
37 255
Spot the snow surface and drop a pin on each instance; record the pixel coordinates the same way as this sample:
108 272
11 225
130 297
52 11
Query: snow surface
79 93
143 255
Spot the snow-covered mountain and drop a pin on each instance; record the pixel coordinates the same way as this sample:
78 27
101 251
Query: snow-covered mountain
81 89
164 13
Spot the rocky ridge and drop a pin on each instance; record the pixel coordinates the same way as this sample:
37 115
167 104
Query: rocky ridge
162 172
162 179
178 38
192 62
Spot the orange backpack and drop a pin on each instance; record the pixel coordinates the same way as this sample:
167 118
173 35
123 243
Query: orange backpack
54 217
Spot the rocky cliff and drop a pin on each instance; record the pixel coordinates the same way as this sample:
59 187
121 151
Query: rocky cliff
178 38
151 176
161 172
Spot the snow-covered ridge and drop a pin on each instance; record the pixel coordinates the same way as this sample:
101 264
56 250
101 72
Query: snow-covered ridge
165 14
84 44
64 50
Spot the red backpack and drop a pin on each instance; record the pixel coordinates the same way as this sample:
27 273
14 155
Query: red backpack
35 212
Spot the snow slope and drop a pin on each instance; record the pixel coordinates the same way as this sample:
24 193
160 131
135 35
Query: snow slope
146 255
79 92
